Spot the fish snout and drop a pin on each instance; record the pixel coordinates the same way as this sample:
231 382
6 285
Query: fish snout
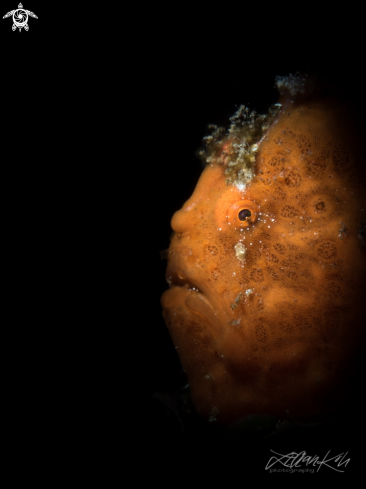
187 217
181 222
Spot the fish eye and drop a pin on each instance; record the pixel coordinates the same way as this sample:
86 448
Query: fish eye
244 214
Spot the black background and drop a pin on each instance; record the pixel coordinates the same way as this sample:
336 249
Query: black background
103 110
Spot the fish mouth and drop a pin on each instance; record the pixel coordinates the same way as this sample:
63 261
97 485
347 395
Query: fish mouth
180 279
195 300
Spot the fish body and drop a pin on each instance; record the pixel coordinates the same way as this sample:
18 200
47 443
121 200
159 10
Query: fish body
267 267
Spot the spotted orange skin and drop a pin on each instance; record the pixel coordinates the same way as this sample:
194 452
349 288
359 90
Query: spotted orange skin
277 331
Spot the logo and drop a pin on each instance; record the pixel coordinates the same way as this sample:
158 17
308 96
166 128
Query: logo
20 17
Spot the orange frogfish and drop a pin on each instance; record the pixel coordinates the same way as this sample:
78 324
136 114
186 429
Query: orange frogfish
267 263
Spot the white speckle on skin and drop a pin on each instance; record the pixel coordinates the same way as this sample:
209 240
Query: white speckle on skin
240 251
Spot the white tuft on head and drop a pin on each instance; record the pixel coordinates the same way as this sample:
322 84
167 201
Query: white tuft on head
240 186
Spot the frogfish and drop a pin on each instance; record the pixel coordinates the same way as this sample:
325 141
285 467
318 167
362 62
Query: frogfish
267 262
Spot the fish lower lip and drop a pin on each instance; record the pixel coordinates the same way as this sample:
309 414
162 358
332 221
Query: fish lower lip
195 300
199 304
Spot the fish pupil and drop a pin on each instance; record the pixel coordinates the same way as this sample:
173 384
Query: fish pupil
244 214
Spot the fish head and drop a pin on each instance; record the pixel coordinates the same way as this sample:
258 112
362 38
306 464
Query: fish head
266 265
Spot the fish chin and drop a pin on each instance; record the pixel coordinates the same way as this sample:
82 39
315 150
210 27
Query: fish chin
191 322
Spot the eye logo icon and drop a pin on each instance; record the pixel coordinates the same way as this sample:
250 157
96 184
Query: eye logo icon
20 17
